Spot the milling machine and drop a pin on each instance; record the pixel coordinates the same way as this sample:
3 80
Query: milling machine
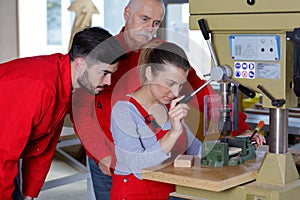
255 46
259 42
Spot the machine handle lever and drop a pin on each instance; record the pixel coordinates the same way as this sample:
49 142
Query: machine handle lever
204 28
265 92
188 97
205 32
250 93
275 102
247 91
185 99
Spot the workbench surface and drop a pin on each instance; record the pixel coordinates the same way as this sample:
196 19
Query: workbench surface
205 177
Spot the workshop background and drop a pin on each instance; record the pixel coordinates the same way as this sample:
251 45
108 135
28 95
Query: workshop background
35 27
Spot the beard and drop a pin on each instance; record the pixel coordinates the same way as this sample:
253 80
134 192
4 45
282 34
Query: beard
84 82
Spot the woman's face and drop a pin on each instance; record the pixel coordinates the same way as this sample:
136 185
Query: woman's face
166 85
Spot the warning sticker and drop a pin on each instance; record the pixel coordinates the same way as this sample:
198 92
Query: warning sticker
244 70
268 71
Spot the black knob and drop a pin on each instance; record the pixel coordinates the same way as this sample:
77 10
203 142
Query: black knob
250 93
251 2
204 28
275 102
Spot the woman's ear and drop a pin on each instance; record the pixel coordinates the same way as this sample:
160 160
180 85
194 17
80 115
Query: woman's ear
148 74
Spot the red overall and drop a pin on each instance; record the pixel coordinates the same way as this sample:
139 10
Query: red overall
131 188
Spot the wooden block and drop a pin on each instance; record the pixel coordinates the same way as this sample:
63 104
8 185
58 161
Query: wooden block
184 161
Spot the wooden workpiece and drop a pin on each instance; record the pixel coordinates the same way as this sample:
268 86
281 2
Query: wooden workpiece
204 177
184 161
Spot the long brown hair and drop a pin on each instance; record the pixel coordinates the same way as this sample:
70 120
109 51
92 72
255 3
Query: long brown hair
155 54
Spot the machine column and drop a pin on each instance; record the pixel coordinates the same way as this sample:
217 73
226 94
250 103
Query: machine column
278 138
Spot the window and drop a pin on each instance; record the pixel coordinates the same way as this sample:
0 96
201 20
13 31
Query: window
45 25
54 32
113 15
192 41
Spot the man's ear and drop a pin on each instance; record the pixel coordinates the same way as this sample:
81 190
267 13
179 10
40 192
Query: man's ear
126 13
80 66
148 74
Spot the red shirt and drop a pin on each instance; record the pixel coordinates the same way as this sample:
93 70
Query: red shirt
35 97
87 127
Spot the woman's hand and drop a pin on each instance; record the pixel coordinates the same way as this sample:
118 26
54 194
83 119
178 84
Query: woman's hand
177 114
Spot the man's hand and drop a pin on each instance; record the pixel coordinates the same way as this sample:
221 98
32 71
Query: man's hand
104 165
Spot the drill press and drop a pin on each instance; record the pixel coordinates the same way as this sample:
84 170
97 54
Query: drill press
256 39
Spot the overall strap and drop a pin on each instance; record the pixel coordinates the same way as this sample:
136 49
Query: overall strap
149 120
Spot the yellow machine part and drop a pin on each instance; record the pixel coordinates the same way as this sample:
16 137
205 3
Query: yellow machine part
238 17
264 17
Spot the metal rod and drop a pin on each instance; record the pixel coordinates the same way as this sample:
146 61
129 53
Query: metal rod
278 138
201 87
212 52
225 122
189 97
235 108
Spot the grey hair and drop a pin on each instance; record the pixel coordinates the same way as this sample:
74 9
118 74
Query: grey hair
133 3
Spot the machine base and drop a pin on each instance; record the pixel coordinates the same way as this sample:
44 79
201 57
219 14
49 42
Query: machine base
250 191
277 179
278 169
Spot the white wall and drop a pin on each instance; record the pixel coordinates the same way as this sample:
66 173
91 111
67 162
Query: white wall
23 25
33 26
8 30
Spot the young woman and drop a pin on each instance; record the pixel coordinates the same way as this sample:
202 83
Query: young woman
148 127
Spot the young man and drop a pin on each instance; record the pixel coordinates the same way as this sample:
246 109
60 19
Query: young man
35 97
142 20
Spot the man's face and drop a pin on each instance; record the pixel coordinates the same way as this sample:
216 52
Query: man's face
142 22
97 77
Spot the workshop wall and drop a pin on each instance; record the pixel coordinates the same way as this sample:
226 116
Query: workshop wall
9 30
